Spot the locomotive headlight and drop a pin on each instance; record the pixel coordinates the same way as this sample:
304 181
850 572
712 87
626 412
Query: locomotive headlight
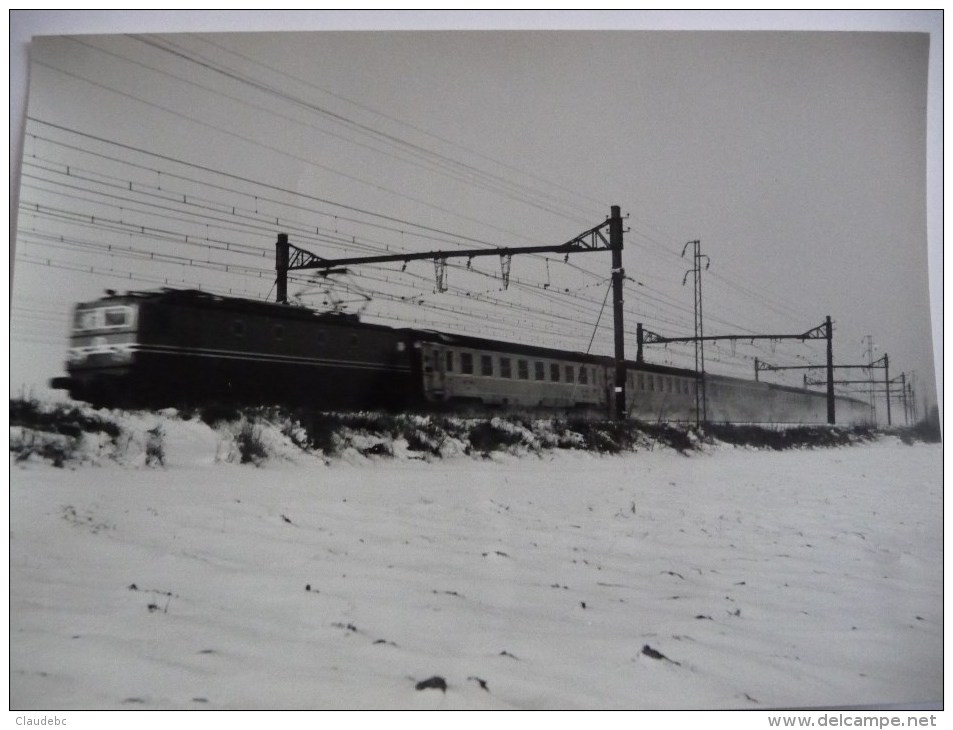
122 353
76 354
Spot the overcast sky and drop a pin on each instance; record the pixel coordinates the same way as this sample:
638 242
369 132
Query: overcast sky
798 159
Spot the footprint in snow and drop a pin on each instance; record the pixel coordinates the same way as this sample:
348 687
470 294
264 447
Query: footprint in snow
435 682
655 654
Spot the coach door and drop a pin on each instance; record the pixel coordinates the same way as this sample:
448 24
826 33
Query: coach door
435 375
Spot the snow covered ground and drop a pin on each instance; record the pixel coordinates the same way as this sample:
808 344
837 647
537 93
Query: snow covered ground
728 578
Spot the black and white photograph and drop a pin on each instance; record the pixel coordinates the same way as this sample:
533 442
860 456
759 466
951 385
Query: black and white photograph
476 361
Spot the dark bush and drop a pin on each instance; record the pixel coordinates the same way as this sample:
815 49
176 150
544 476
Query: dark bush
606 437
679 438
216 413
67 420
155 447
379 449
250 445
487 436
428 436
320 428
376 424
792 437
56 452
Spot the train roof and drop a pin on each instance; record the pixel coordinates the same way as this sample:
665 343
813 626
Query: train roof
479 343
203 299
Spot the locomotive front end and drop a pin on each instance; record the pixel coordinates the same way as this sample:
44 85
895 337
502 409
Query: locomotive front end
102 351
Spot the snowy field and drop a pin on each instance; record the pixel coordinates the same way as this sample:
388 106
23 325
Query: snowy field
729 578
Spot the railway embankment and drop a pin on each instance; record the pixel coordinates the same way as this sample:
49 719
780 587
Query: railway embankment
71 434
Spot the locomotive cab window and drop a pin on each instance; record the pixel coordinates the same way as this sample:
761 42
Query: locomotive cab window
113 317
85 319
279 331
238 328
116 317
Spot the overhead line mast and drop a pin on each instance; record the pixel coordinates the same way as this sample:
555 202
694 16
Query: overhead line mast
289 257
823 331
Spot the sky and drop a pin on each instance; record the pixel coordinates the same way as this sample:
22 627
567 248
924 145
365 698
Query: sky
798 159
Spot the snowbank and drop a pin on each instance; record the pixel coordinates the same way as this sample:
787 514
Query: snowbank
736 578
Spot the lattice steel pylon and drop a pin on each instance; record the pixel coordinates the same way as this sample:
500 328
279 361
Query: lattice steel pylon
701 402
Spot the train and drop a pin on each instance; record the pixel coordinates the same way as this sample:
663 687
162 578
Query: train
174 347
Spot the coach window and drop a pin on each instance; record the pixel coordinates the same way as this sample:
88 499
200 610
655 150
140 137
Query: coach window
539 370
641 381
466 363
570 374
449 361
505 368
486 365
584 375
651 379
554 372
522 369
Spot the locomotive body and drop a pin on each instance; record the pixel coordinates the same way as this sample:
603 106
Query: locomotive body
186 347
179 347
